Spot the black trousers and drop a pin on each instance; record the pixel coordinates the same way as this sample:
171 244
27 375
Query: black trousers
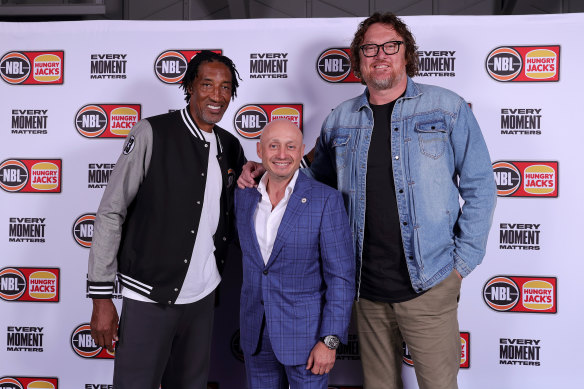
164 344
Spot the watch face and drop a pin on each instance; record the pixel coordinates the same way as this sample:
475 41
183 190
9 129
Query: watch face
331 342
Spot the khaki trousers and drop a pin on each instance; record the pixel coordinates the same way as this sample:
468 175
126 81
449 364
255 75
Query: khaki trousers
429 326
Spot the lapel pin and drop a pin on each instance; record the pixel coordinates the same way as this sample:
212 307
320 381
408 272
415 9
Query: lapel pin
303 200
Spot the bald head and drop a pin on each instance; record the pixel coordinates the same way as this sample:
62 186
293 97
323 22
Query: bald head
281 149
282 125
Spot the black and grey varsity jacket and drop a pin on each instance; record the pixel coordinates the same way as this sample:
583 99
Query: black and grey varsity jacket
147 221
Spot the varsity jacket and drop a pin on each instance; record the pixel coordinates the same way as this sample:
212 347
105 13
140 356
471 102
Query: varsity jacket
147 222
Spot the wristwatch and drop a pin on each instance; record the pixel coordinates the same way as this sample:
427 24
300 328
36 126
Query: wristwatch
331 341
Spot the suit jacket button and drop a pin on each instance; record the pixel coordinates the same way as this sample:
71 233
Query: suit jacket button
265 272
262 302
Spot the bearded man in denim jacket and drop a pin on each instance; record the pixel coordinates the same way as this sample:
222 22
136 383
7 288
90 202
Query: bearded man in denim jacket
402 154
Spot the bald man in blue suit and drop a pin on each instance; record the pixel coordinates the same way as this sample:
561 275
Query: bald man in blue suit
298 269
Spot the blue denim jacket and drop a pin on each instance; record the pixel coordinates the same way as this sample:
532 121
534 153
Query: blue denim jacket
438 154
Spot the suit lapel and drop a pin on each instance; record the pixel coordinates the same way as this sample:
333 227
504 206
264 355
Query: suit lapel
296 205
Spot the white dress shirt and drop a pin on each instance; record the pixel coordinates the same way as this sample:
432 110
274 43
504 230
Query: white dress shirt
267 220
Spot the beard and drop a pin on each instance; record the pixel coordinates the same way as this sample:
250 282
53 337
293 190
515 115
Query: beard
378 83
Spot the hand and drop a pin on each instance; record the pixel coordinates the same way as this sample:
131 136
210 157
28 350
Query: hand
458 274
321 359
104 323
250 171
310 155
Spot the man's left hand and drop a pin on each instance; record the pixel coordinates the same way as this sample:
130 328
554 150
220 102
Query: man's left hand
321 359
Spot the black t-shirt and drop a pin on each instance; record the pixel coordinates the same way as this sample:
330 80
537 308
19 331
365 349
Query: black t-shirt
384 273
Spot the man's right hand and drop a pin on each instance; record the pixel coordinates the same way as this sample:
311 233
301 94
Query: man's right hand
104 323
250 171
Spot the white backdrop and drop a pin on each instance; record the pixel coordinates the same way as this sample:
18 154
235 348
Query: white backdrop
56 154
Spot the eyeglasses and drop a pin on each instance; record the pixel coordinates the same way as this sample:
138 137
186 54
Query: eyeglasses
389 48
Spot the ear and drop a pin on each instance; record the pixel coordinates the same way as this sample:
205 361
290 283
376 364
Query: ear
259 149
302 150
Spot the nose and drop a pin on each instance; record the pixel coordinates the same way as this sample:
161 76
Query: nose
282 152
215 94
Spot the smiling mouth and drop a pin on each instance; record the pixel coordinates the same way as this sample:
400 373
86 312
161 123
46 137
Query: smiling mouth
214 107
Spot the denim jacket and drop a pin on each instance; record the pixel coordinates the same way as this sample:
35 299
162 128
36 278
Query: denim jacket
438 154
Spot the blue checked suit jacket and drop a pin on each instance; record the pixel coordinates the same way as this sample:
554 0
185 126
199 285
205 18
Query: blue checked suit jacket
306 290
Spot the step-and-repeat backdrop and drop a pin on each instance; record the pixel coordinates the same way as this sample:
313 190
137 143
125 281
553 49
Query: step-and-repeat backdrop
71 91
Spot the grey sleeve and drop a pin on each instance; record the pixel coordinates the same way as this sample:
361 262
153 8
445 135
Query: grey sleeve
128 174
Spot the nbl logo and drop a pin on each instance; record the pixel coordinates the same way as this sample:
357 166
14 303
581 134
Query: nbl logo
504 64
15 68
32 67
83 345
334 65
501 294
12 284
83 229
29 383
13 175
171 65
251 119
507 177
521 294
524 63
107 120
91 121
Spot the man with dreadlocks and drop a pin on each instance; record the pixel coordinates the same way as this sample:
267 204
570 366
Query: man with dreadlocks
162 226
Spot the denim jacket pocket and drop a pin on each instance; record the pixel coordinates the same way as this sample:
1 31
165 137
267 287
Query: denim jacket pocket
432 137
340 146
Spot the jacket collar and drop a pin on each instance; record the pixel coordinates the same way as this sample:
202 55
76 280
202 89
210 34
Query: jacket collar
195 130
412 90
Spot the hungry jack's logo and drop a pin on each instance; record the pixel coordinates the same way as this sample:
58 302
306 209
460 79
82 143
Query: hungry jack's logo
83 344
170 65
251 119
31 175
29 284
107 120
32 67
15 382
524 63
526 179
334 66
522 294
